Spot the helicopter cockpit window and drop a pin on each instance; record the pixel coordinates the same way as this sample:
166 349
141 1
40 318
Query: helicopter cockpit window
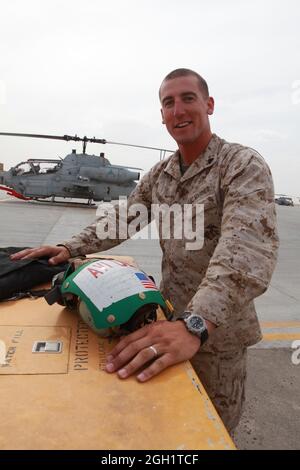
48 167
36 168
22 169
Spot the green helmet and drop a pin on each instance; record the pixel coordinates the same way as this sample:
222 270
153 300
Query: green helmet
111 296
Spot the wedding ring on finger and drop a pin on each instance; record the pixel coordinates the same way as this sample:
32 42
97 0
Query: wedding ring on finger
154 350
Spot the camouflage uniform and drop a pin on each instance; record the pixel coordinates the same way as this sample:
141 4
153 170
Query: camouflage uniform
235 264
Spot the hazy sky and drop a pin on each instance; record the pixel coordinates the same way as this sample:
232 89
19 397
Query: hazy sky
94 68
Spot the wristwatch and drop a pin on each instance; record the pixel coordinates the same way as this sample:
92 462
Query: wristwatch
196 325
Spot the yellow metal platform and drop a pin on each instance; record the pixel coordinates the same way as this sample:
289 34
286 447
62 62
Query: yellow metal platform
67 401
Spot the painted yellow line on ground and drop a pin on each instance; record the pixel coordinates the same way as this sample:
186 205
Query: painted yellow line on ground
284 324
280 336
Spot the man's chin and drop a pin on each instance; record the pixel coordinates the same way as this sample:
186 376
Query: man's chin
183 140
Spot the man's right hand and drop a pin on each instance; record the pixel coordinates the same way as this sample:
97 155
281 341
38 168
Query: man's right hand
56 254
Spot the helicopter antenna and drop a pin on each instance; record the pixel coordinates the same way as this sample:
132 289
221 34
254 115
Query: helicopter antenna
85 140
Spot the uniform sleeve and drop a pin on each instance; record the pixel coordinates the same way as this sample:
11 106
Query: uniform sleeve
245 256
112 224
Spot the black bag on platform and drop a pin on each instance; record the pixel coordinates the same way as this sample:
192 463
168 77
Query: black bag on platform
17 278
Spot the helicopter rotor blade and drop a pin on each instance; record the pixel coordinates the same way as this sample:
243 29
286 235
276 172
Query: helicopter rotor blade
55 137
137 146
83 139
39 136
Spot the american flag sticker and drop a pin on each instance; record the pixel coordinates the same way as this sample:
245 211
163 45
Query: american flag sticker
146 281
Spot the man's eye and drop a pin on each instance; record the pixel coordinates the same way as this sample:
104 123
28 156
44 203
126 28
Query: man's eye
187 99
168 104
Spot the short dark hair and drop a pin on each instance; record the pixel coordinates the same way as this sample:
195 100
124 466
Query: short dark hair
185 72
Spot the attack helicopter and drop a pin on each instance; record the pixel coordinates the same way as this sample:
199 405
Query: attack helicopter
78 175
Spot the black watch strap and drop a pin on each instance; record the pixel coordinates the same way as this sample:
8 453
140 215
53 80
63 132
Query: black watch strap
204 336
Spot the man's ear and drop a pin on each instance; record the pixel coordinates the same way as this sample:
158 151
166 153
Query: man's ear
210 105
162 115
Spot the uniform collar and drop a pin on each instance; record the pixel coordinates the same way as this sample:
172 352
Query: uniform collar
206 159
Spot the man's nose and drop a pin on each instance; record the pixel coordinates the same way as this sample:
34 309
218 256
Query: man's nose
178 109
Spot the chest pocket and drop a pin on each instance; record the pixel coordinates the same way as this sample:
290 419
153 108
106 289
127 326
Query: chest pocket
203 188
165 191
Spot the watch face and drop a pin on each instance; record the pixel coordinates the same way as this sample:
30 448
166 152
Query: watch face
196 322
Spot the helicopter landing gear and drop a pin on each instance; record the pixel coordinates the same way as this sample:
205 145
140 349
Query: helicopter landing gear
52 198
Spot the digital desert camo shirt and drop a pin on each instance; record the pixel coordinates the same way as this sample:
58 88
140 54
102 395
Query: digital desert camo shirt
221 279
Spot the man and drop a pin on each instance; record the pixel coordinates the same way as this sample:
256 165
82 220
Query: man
211 288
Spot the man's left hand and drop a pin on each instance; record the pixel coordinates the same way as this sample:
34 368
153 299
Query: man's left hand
164 343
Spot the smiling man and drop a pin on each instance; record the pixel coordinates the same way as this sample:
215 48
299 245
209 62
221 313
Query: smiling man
186 105
213 287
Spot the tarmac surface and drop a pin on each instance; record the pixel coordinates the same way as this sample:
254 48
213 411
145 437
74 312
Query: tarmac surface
271 418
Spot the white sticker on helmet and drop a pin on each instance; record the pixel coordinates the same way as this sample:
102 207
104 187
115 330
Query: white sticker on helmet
105 282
